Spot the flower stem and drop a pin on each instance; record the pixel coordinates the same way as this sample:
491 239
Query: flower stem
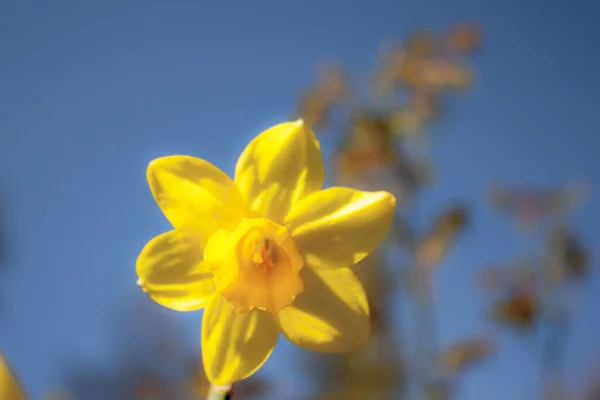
219 392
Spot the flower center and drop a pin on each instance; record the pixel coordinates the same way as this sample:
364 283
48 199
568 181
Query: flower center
255 266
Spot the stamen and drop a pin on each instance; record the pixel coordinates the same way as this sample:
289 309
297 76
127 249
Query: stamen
257 258
262 254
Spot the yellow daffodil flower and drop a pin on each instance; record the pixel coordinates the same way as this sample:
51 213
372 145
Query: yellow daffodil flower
9 387
265 253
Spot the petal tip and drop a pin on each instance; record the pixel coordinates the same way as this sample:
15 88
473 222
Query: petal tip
389 197
154 163
141 284
392 200
151 170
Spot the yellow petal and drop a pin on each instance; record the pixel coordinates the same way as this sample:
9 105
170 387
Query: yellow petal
332 315
234 346
9 387
193 193
338 227
278 168
171 271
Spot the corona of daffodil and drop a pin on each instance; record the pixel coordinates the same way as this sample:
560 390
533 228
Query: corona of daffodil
265 253
9 387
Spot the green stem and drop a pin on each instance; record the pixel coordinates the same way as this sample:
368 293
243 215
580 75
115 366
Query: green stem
220 392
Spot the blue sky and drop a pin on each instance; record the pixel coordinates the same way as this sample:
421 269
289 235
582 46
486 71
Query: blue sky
90 92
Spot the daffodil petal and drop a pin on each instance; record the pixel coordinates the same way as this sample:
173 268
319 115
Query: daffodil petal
278 168
332 315
338 227
171 270
193 193
234 346
9 387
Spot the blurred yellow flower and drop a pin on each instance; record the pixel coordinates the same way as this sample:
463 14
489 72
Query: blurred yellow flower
9 387
265 253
